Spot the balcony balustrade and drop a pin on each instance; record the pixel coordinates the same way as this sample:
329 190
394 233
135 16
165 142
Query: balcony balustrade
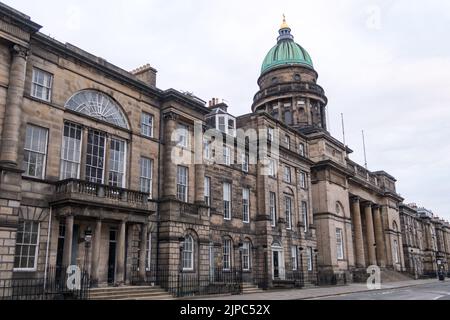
75 190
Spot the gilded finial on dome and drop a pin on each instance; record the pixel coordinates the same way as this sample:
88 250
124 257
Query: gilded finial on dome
284 25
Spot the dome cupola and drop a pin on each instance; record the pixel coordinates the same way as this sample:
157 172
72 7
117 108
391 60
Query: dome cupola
286 52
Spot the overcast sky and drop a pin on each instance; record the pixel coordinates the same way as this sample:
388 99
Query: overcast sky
384 64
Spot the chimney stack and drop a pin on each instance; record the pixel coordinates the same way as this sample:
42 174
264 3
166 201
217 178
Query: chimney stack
146 74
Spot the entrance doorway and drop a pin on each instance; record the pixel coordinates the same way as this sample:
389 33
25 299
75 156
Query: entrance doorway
112 257
278 271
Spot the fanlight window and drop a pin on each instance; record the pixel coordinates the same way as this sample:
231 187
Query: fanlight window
99 106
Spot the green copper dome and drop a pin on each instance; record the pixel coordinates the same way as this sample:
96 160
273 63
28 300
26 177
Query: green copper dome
286 52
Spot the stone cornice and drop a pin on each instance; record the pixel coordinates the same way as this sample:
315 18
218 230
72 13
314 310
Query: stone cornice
331 164
325 135
199 106
19 18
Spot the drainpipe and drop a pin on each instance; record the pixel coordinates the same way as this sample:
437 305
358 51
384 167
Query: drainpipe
48 246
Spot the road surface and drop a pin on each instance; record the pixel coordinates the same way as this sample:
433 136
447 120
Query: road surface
431 291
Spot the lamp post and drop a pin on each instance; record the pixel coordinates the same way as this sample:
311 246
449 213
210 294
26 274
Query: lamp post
87 244
301 267
316 266
180 269
240 277
414 266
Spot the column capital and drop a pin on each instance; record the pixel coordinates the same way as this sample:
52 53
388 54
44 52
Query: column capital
367 204
170 116
376 206
355 199
19 51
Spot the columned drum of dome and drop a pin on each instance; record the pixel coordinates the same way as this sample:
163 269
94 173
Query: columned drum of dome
288 86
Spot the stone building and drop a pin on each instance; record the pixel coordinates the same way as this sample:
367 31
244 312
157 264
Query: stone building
426 241
91 150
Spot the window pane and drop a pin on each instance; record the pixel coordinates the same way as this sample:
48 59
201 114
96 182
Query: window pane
26 245
95 156
183 135
41 85
146 175
182 176
272 207
147 125
35 151
245 205
117 163
71 151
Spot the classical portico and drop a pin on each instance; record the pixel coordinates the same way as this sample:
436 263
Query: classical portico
110 243
372 239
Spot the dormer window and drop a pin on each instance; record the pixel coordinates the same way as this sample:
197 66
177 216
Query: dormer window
226 124
221 120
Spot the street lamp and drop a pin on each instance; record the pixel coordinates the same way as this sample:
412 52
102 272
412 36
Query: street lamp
317 266
301 266
180 271
181 240
87 244
413 260
241 252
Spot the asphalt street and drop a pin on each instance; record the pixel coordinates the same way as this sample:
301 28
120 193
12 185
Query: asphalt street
432 291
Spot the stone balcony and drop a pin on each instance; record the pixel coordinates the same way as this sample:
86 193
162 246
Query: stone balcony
99 195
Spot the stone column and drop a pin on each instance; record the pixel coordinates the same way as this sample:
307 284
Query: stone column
120 279
13 113
143 252
379 236
370 234
68 237
170 169
96 252
199 183
357 227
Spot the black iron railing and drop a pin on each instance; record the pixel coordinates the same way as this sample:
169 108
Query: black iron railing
186 284
56 284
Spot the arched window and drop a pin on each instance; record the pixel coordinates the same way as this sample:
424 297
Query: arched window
97 105
395 227
188 253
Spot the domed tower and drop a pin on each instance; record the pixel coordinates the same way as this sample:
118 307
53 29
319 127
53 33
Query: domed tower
288 89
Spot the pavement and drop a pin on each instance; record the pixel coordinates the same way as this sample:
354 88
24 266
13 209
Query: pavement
404 290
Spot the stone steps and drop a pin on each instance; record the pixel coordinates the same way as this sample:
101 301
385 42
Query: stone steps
129 293
248 288
394 276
